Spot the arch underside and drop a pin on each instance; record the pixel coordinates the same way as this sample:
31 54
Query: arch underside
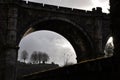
72 33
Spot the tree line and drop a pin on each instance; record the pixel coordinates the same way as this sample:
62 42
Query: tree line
36 57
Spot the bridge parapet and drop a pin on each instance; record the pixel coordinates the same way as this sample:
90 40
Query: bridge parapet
60 9
55 8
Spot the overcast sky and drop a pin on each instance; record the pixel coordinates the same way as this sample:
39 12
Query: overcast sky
55 45
80 4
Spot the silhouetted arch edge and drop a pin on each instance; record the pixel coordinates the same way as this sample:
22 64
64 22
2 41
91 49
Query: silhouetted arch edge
106 39
63 20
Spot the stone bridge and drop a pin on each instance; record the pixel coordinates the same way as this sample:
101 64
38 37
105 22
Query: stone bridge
87 31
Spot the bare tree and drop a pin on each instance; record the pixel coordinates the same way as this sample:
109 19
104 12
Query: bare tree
45 57
67 57
24 55
34 57
40 57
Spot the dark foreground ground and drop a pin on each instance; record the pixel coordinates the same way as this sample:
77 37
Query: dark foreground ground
99 69
26 69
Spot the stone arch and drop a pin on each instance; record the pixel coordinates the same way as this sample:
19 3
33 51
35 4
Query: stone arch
71 31
106 39
108 47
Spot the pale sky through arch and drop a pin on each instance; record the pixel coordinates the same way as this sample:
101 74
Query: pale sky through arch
55 45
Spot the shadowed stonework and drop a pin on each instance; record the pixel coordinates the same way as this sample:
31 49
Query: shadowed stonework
87 31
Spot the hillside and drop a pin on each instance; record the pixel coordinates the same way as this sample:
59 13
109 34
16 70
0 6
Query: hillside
26 69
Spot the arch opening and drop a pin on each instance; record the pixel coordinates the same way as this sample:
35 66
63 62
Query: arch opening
71 31
45 40
109 47
43 50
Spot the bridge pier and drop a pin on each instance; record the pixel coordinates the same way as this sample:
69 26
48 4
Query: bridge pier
9 50
98 33
10 67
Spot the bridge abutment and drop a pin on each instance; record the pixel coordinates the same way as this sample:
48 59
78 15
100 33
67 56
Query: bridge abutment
98 33
9 50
